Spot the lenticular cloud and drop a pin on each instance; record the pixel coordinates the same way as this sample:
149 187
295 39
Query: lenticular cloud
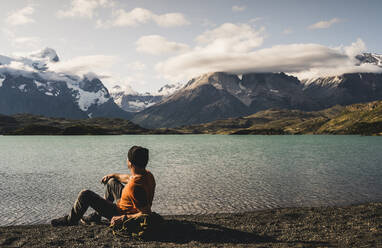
234 49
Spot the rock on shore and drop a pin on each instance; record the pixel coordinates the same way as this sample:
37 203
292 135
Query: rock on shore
353 226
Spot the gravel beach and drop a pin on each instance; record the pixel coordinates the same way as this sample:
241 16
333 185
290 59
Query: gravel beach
351 226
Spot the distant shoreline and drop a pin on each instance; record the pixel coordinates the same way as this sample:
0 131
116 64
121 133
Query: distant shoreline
349 226
356 119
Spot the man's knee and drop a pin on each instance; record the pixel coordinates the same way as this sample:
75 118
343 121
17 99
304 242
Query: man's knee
85 193
113 189
112 182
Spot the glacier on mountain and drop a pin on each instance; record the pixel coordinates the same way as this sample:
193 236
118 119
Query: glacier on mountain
32 73
1 81
37 63
85 99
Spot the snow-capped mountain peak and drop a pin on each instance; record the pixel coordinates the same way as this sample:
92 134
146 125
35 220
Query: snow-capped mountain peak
332 81
46 54
370 58
28 78
335 81
169 89
132 101
118 93
125 89
35 61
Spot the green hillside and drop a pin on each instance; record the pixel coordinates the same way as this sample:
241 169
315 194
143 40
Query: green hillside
356 119
365 119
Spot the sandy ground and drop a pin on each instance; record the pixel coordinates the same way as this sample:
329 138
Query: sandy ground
353 226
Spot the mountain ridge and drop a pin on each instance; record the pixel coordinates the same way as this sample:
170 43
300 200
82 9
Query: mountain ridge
132 101
27 85
256 92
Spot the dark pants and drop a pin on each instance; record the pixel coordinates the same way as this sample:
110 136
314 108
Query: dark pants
104 206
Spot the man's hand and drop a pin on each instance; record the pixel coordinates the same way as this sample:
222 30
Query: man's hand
117 221
123 178
106 178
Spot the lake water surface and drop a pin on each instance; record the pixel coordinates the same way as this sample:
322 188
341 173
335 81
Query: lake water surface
40 176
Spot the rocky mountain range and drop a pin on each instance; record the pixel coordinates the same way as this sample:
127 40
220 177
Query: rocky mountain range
220 95
345 89
27 85
370 58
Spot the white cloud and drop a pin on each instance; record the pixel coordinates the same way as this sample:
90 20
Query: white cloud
122 86
133 18
355 48
256 19
126 83
285 58
158 45
98 64
231 38
287 31
170 20
84 8
208 23
221 50
136 79
138 16
26 41
324 24
16 68
237 8
16 65
336 71
22 42
347 65
21 16
136 66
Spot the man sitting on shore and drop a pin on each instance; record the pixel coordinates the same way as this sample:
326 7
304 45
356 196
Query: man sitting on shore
132 200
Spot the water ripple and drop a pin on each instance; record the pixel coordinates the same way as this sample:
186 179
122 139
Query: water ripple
40 177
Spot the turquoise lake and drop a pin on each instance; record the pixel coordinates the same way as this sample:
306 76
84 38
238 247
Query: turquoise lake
40 176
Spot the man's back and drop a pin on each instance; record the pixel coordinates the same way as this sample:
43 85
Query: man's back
138 193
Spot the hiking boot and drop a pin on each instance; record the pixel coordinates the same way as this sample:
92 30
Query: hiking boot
63 221
91 218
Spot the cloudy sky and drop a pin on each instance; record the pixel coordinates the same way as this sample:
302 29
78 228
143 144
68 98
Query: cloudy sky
148 43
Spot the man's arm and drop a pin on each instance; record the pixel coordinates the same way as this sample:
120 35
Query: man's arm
123 178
